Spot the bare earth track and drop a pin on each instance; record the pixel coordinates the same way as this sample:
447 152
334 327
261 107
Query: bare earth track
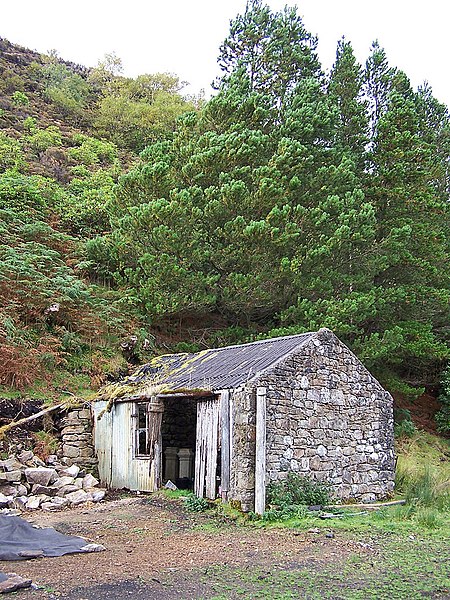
156 550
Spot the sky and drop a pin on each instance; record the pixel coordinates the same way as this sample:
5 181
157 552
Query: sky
183 36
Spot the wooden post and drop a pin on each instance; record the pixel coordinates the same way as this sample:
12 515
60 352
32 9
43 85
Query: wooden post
155 409
225 443
260 466
200 461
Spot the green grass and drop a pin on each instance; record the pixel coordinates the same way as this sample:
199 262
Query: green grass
419 453
392 568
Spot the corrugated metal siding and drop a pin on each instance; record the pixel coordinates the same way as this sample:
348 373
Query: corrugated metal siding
221 368
102 437
118 468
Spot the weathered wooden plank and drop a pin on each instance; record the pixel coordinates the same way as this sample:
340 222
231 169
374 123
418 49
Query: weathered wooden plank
260 466
155 410
41 413
212 439
200 466
225 443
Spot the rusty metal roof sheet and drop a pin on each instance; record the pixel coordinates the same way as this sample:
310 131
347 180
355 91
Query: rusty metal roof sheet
217 369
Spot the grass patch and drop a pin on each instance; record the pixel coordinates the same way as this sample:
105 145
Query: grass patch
391 568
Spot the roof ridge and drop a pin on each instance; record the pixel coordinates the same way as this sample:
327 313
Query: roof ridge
254 343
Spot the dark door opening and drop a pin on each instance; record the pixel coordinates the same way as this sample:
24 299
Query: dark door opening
178 440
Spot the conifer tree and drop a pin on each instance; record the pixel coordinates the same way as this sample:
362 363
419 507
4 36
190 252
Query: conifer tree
345 89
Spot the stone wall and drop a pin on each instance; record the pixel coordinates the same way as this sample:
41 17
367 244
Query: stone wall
77 442
243 423
327 418
179 422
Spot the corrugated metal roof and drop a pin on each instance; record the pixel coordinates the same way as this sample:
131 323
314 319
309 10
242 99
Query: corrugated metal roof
220 368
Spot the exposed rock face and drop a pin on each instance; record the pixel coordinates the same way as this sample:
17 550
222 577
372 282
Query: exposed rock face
327 418
27 483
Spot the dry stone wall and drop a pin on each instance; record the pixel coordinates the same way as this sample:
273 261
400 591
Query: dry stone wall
77 438
243 423
327 418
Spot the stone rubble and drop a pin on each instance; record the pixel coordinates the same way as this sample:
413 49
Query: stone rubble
29 483
11 582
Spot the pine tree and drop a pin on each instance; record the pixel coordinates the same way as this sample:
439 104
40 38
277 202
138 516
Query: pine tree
345 88
273 50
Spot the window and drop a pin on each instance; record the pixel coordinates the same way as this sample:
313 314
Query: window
147 429
141 445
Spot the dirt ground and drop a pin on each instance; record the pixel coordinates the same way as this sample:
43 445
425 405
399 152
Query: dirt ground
155 549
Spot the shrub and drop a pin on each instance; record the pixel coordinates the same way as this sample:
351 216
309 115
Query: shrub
298 490
20 99
194 504
11 156
91 151
405 429
442 418
285 512
30 124
42 139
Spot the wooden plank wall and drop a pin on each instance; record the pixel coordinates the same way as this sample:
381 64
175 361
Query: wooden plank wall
208 412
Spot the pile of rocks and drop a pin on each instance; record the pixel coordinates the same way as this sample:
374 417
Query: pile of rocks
28 483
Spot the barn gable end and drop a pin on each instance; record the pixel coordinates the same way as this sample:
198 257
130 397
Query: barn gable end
326 417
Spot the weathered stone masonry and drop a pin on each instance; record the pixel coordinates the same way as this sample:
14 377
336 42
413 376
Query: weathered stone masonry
327 417
77 439
243 423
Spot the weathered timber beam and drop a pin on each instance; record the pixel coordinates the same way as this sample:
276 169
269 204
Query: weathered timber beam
41 413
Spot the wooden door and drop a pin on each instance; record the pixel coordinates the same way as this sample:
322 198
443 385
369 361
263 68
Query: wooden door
206 448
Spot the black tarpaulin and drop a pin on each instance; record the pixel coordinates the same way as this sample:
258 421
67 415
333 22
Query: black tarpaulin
20 540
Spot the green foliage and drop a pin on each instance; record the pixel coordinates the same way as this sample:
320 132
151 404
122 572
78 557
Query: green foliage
281 207
42 139
194 504
91 151
298 490
20 99
44 302
273 51
11 155
29 124
69 91
283 512
442 417
31 196
405 428
346 89
85 209
137 112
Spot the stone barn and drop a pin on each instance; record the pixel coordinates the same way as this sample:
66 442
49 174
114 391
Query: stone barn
228 421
